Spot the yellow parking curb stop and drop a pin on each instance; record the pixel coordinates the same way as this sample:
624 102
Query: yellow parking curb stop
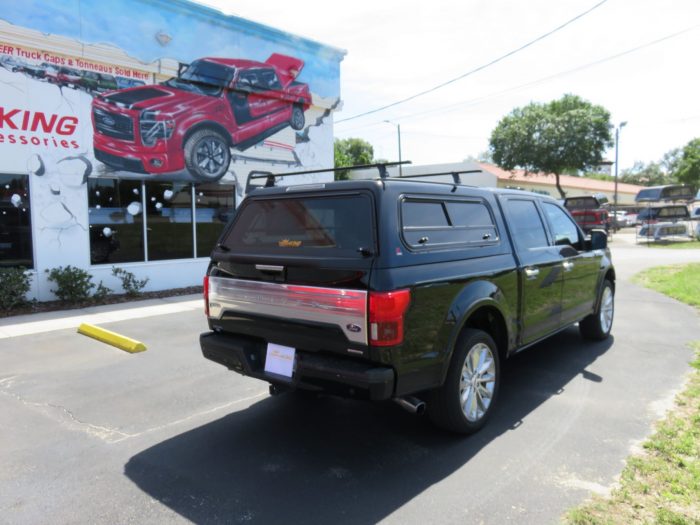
111 338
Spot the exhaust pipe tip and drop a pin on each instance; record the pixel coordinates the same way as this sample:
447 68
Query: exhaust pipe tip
411 404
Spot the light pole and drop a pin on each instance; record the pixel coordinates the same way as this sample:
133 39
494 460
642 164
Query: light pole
617 151
398 130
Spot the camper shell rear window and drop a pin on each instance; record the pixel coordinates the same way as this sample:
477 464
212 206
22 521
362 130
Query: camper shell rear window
331 226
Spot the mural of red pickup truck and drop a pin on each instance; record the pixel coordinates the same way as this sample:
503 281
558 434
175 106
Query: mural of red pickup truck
191 121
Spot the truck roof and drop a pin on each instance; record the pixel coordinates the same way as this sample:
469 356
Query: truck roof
396 184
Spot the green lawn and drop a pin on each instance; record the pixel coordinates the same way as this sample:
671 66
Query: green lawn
662 485
679 245
681 282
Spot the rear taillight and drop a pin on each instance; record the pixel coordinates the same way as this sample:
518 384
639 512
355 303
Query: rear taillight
205 289
386 312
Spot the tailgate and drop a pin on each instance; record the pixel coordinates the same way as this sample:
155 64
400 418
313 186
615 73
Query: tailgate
344 310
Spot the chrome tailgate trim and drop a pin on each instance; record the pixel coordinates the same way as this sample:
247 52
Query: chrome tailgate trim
346 309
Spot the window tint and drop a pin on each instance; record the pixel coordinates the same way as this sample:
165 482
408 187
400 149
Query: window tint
468 214
564 230
116 221
336 226
423 214
15 222
435 223
526 225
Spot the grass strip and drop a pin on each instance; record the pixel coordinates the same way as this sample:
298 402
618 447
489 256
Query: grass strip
681 282
661 485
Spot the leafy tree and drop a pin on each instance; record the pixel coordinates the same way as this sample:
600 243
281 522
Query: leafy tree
349 152
652 174
565 135
687 168
482 156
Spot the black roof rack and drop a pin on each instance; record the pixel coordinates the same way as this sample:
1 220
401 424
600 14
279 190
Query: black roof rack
381 167
270 177
455 175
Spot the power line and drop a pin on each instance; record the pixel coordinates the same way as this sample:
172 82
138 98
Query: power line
475 101
480 68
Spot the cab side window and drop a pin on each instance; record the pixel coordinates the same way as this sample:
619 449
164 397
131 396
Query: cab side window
526 224
563 228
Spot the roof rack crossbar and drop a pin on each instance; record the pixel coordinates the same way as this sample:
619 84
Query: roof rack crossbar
269 176
455 175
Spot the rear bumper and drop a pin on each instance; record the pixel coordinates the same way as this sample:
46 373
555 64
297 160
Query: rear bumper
313 371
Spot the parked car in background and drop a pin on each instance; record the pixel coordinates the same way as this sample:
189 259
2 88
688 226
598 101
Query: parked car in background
588 212
50 72
67 76
621 219
123 83
97 82
9 63
32 70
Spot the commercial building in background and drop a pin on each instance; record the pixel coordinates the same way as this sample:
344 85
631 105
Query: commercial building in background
545 183
129 130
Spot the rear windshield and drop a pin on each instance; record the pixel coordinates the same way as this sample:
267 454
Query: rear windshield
332 226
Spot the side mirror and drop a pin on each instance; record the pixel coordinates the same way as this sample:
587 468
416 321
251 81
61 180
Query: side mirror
599 240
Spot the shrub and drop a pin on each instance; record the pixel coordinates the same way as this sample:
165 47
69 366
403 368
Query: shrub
101 292
72 284
14 285
131 285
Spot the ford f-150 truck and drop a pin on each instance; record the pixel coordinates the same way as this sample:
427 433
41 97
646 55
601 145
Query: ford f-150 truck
400 289
193 120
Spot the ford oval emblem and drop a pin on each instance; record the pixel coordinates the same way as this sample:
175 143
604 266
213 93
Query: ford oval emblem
108 121
353 328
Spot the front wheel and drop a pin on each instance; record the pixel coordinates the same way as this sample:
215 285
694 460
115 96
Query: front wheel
207 155
597 326
297 119
465 401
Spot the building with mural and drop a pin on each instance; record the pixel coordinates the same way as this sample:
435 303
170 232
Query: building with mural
129 131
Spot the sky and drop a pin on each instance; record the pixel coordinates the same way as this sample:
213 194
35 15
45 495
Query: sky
396 49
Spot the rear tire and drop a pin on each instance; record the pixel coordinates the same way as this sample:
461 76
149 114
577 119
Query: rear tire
597 326
207 155
465 401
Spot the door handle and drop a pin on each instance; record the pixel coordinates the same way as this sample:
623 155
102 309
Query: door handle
532 273
568 266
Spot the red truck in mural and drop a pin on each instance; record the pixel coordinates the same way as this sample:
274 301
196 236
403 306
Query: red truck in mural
191 121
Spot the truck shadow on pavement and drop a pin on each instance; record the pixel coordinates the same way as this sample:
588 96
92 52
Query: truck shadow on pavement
294 460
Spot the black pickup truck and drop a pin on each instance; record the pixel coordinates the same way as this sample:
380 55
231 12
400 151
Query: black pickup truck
400 289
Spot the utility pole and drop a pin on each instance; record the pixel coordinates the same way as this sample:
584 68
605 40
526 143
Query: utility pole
617 151
398 130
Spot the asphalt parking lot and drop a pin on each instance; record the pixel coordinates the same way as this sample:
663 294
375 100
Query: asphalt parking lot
91 434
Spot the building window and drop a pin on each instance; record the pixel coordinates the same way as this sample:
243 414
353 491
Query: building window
116 221
15 222
169 220
214 206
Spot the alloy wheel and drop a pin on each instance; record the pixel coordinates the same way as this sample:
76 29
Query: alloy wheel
607 309
478 382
